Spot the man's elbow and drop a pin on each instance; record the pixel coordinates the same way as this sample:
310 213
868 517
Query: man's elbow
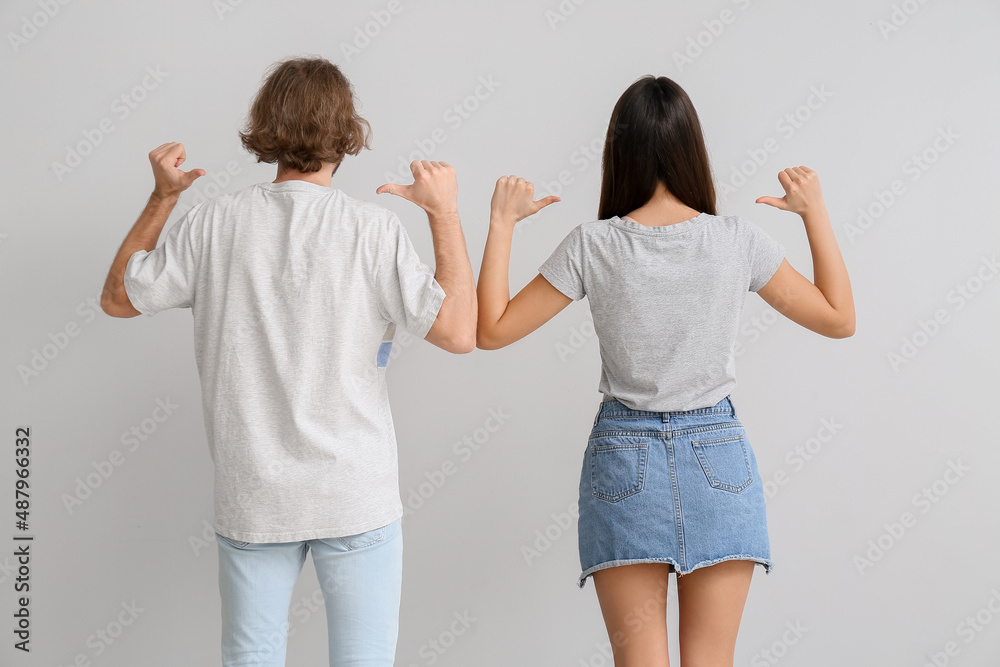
463 344
108 304
458 341
117 305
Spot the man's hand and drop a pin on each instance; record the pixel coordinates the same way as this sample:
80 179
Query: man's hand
434 189
171 181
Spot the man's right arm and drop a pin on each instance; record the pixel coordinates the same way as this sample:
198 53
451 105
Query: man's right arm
455 327
435 189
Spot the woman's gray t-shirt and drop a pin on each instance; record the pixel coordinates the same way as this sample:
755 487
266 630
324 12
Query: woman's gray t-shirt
666 302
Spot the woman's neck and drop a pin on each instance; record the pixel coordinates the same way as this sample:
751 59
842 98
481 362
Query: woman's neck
662 209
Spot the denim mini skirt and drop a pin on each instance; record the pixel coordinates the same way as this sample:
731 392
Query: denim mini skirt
680 488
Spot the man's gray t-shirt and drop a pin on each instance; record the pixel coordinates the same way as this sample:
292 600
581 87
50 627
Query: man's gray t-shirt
296 290
666 302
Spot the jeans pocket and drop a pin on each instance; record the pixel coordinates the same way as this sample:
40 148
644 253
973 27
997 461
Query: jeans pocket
725 462
235 543
617 466
362 540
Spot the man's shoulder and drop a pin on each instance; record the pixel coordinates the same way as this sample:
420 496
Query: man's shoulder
368 212
203 205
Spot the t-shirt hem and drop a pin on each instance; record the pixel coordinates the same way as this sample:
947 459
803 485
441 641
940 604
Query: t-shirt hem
770 271
433 309
130 292
559 284
671 403
312 533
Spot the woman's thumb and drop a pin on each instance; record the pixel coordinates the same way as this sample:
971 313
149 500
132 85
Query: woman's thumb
545 201
777 202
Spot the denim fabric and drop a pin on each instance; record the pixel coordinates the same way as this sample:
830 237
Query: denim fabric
670 487
360 577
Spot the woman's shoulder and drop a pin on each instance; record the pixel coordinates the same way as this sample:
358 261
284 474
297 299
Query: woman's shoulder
592 228
731 220
584 231
731 225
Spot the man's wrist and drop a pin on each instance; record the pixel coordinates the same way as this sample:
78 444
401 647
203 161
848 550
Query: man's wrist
443 216
161 197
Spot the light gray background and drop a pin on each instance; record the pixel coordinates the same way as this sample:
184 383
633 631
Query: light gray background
136 538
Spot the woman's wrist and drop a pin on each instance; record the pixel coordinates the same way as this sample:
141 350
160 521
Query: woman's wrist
500 222
815 214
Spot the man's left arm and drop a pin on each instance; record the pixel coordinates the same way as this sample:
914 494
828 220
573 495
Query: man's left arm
170 182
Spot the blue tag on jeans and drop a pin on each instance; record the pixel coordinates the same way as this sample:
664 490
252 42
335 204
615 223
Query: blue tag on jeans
383 354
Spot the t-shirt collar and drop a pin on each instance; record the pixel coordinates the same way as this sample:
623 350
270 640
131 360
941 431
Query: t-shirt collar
297 185
676 228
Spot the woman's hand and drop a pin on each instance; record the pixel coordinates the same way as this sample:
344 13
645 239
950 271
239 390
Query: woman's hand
825 304
513 200
503 320
802 192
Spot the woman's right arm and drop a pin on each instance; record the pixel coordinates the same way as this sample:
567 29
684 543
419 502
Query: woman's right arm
825 306
503 320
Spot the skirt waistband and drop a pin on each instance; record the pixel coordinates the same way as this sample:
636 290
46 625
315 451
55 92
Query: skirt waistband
612 407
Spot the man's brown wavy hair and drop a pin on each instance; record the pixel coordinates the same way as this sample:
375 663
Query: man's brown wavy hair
304 115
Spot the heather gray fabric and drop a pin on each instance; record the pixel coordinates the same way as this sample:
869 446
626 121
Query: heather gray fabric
296 290
666 302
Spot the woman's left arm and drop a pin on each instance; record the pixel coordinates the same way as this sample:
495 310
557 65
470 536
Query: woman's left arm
503 320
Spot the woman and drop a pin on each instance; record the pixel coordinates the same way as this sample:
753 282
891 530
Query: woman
669 479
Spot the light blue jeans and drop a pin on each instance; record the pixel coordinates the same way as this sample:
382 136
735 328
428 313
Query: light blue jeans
360 577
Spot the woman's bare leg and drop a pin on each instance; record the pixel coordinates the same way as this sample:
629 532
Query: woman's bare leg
710 602
634 604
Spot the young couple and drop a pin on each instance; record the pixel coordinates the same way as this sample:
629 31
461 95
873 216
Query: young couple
296 290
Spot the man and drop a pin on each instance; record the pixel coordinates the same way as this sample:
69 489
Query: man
296 290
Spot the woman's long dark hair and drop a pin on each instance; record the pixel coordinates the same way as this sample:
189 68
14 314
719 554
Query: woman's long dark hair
654 135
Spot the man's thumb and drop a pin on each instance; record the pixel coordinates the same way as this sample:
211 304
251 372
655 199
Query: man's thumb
394 189
777 202
193 175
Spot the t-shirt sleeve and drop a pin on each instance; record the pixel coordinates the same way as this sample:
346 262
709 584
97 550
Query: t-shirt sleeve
764 254
564 267
407 292
165 277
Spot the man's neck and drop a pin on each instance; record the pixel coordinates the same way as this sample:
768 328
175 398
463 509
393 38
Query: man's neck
322 177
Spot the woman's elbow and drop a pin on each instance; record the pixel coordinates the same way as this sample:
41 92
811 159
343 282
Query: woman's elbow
844 329
485 340
484 343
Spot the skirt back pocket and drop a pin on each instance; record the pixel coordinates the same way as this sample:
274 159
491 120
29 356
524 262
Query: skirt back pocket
617 467
725 462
